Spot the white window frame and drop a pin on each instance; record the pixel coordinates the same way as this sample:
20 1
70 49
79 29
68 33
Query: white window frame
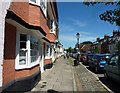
53 28
38 3
48 56
45 7
28 62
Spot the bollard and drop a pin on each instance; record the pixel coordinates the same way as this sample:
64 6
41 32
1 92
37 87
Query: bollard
75 63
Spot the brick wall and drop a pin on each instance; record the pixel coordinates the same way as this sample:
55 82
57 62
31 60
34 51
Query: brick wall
9 53
47 61
9 72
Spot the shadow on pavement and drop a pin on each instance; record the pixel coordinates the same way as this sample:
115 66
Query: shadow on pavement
112 85
92 70
53 91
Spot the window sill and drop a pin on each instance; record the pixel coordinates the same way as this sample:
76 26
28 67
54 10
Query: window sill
27 67
48 57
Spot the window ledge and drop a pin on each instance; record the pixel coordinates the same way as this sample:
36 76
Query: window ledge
27 67
48 57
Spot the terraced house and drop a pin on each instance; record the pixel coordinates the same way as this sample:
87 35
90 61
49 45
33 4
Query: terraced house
28 38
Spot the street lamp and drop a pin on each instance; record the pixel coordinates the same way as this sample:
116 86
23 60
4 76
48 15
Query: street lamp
78 50
78 36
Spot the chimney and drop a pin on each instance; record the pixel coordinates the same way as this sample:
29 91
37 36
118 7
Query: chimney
106 36
116 33
98 39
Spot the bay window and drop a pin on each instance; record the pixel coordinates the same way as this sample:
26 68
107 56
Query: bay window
48 51
33 1
28 51
34 52
41 3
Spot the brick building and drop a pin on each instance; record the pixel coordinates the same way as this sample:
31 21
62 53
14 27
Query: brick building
108 44
30 30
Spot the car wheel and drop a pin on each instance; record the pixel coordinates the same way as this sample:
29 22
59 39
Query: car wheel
106 75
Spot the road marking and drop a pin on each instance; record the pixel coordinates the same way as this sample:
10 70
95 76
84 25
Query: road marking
74 83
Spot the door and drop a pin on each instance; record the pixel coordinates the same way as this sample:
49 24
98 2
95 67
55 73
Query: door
42 58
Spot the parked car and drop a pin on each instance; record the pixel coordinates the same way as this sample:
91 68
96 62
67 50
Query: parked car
112 68
82 57
88 58
98 62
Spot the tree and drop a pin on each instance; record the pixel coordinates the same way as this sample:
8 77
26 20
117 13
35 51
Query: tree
69 49
112 16
87 42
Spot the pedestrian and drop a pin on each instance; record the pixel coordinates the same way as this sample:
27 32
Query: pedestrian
64 55
67 55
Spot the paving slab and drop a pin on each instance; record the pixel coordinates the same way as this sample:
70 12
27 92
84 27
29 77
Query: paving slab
57 79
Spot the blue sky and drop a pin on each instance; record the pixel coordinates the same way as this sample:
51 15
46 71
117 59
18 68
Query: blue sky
75 17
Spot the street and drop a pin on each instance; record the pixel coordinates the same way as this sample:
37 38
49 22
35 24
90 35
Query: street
110 84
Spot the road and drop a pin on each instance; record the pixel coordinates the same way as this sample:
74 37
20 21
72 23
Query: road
113 86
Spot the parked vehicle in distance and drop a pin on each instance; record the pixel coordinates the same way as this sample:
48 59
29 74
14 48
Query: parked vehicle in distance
88 58
98 62
82 57
112 68
73 55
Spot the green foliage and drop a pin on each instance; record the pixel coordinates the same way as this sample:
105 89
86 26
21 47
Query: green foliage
87 42
111 16
55 59
71 60
69 49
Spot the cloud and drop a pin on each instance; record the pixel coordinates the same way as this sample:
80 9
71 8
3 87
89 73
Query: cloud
67 38
85 33
72 38
65 27
77 22
87 38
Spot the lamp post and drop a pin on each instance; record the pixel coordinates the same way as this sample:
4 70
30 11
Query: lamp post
78 50
78 36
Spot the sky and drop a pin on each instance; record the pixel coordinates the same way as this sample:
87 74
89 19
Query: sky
74 17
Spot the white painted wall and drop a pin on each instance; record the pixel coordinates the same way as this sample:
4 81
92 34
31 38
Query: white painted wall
3 8
42 58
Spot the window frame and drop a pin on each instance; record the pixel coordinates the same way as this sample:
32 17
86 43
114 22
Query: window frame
38 4
28 62
48 54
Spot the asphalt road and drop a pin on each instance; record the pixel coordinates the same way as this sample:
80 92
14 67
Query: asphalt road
112 85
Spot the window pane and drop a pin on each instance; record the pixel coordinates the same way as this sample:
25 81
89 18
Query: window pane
42 4
23 37
23 40
22 57
34 53
33 1
22 45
